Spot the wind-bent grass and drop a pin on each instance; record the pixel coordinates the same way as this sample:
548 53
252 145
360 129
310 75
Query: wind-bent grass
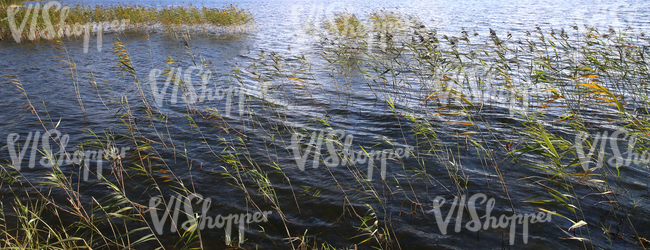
557 76
128 17
448 96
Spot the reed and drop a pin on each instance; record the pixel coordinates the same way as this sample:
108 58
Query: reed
449 96
140 18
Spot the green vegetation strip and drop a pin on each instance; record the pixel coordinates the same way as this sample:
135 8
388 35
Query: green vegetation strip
38 18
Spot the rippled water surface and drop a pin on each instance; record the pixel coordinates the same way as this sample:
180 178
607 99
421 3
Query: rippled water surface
307 94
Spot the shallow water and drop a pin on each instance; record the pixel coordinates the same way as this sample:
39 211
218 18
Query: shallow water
267 121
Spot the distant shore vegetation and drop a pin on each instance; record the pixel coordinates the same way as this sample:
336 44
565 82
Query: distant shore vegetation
35 19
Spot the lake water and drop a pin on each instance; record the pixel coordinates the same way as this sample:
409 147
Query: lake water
301 92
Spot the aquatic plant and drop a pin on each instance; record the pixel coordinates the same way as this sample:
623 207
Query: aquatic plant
54 20
484 113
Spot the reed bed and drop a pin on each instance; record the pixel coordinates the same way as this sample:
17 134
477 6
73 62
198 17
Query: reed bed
5 3
449 96
580 81
140 18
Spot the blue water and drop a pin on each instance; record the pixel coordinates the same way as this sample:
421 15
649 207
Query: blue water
50 87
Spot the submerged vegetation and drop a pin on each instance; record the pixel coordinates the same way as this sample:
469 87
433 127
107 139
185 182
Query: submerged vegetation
513 105
59 19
